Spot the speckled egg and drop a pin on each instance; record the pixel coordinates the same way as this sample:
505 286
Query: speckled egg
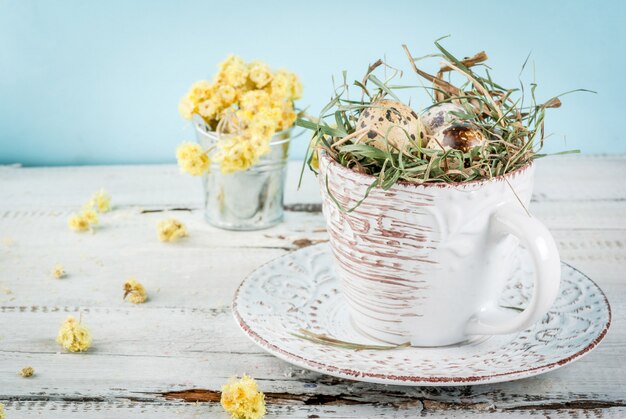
458 136
393 119
440 116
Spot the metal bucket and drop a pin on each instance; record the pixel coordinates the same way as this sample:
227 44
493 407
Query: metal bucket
247 200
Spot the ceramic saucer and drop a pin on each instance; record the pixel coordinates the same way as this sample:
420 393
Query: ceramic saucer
301 290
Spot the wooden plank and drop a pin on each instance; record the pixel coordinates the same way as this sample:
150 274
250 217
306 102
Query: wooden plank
580 215
161 186
179 274
168 410
560 178
575 215
142 352
581 177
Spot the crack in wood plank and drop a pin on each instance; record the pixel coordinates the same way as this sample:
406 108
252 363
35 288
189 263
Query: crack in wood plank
296 207
398 401
150 211
300 243
309 207
437 405
203 395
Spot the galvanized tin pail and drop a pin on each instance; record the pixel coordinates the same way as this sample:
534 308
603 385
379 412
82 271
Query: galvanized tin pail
251 199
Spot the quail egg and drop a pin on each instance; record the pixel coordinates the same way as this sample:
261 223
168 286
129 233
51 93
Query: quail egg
393 119
439 117
459 136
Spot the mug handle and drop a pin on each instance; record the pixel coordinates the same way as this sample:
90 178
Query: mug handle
540 244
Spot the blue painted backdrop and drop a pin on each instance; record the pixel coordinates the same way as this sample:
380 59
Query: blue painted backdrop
84 82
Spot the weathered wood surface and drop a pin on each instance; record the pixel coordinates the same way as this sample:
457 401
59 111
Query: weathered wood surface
169 357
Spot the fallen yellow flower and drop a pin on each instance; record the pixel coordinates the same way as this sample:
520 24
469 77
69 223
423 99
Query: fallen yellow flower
27 372
58 271
83 221
171 230
135 291
78 223
73 336
90 215
242 399
100 201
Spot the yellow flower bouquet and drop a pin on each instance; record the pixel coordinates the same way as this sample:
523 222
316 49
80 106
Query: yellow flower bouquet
243 121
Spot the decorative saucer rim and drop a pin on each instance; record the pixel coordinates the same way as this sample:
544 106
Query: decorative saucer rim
409 380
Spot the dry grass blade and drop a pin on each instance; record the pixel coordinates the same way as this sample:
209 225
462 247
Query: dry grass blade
326 340
555 102
468 62
478 86
442 84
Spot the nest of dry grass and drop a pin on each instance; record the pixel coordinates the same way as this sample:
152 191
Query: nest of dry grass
510 120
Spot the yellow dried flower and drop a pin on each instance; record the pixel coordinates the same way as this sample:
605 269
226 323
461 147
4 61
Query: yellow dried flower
246 100
261 145
210 108
242 399
263 125
100 201
226 95
275 110
254 100
135 291
78 223
285 85
58 271
73 336
242 120
236 154
2 414
187 107
287 114
84 220
200 90
280 86
233 71
260 74
90 216
295 87
192 159
171 230
245 115
27 372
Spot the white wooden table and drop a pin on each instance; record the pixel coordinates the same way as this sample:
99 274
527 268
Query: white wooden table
169 357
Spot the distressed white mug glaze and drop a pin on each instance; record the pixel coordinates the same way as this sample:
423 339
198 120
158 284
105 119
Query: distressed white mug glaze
426 264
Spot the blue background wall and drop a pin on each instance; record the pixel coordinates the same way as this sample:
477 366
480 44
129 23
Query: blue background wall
84 82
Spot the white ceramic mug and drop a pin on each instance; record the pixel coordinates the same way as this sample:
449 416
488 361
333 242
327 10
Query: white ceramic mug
427 263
